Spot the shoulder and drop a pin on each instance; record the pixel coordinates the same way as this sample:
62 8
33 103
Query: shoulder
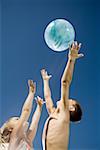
63 114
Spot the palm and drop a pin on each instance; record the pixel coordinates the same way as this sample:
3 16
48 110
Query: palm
74 49
44 74
32 86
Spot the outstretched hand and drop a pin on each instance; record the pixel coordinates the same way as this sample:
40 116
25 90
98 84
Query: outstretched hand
32 86
45 75
73 51
39 101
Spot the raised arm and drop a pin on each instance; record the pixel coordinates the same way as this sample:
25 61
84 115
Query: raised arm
47 92
26 110
68 72
35 120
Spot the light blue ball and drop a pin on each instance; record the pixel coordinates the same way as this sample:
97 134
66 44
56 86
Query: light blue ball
59 34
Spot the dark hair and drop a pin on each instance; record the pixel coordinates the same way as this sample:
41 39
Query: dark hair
77 114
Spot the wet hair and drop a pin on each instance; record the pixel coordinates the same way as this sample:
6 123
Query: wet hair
76 115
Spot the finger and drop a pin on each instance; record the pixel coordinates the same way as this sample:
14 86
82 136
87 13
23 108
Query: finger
73 45
69 46
43 70
31 82
40 100
35 98
79 46
76 43
80 55
50 76
34 83
38 97
46 73
28 82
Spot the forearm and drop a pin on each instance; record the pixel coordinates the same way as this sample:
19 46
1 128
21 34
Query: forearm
35 118
47 94
34 124
27 106
68 72
47 91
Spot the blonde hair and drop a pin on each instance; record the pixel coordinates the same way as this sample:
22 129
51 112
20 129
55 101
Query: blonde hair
6 130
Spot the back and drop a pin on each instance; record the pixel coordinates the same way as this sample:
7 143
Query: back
57 134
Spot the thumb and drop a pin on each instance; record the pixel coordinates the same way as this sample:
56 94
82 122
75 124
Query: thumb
50 76
80 55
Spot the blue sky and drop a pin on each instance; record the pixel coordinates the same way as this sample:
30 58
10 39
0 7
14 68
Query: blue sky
24 53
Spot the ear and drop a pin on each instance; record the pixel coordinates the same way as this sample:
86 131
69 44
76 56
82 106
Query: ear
71 108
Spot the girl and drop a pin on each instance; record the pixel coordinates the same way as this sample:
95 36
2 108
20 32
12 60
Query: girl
15 134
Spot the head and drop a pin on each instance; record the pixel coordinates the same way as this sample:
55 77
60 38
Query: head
75 111
7 128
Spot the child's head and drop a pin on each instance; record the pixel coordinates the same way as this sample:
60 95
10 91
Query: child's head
7 128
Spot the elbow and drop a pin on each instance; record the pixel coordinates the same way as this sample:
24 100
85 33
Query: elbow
26 110
65 82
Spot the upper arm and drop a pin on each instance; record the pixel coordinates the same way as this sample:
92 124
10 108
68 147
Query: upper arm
65 93
34 124
23 118
31 135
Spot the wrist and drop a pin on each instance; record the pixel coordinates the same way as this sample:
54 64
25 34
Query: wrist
72 59
40 107
31 91
45 80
